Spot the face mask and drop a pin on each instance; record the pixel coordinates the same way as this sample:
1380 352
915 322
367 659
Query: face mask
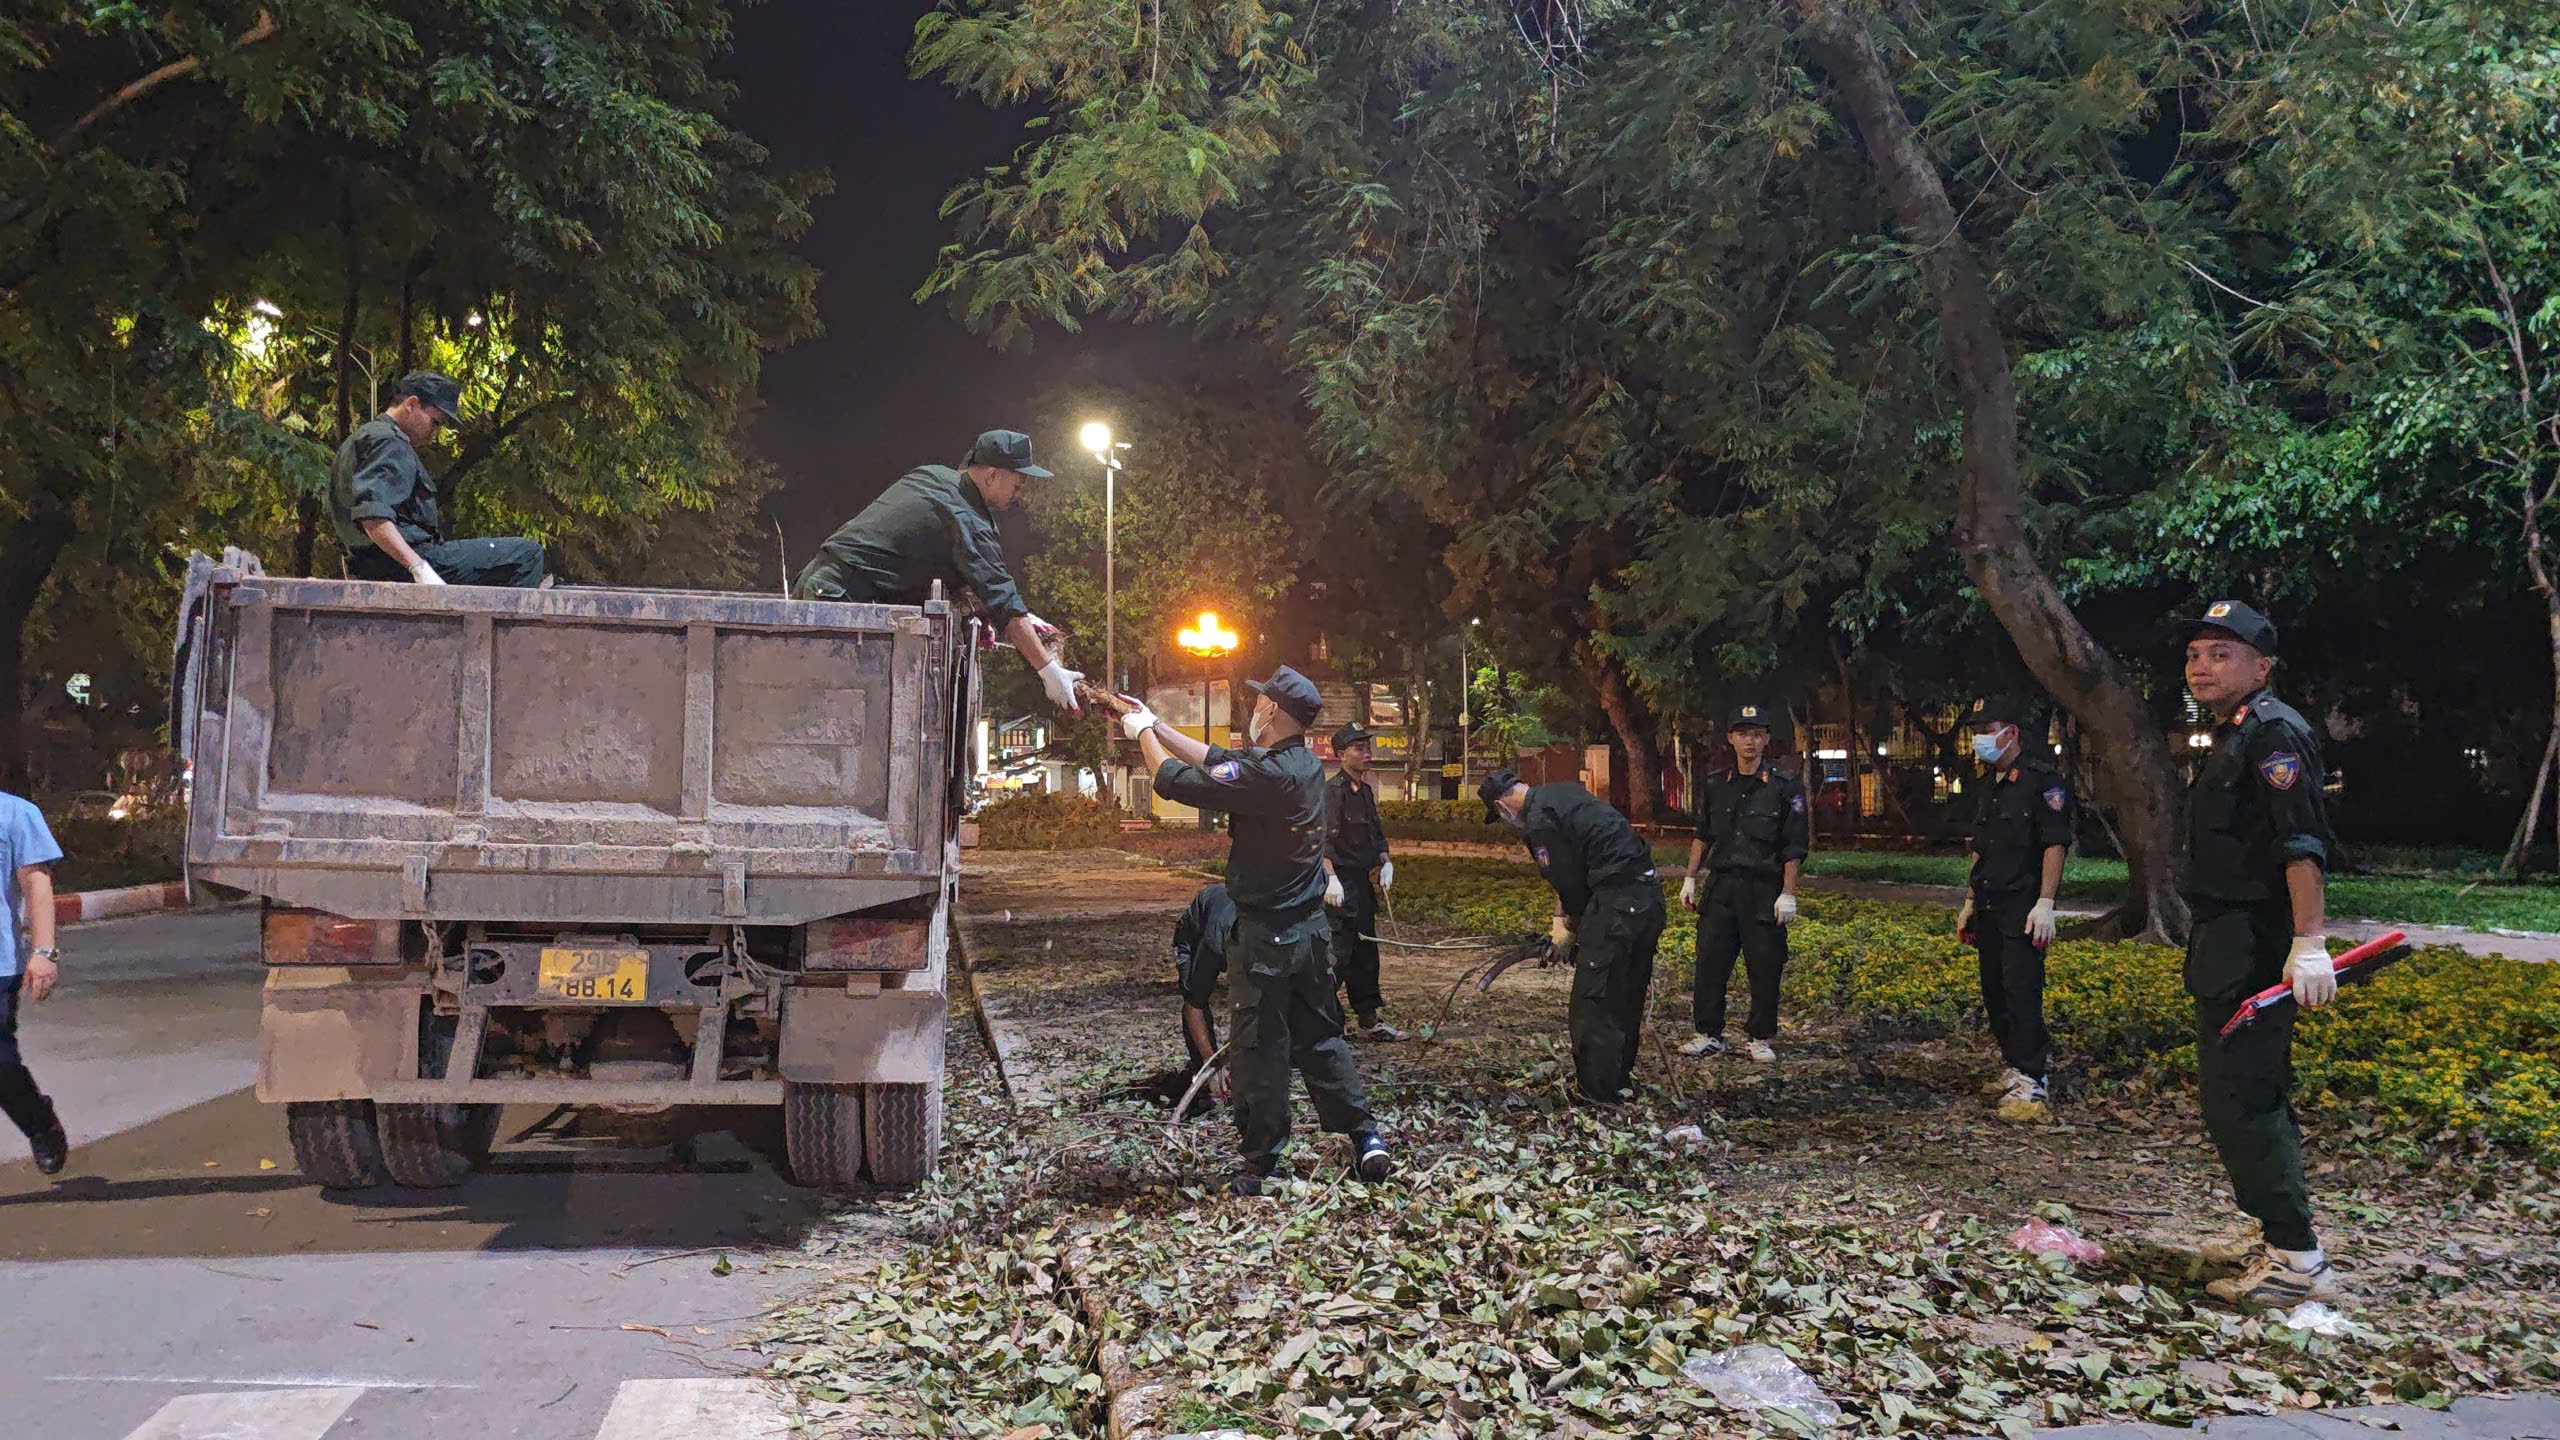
1986 748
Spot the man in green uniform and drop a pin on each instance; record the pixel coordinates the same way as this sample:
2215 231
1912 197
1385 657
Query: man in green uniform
938 523
1355 856
1609 918
1200 949
1281 952
2021 834
1752 832
383 502
2258 843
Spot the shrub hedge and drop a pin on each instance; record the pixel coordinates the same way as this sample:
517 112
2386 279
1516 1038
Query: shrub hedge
2444 1043
1047 821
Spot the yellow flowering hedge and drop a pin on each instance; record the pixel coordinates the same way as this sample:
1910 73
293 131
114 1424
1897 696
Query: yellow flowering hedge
2444 1042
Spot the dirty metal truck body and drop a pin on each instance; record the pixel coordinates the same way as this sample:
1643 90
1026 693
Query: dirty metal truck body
595 847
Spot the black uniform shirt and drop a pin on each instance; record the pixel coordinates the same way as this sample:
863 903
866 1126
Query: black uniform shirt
2255 806
1276 850
1354 839
378 476
1754 824
1200 943
1582 845
932 525
2024 812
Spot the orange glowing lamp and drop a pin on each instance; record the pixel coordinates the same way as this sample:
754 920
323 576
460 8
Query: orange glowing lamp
1206 637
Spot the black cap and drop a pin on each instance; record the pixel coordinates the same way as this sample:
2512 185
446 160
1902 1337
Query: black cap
1749 712
2255 630
1350 735
442 393
1494 787
1999 710
1005 450
1294 693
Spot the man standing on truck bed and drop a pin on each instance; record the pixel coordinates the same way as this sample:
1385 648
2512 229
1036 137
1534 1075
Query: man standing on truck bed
384 502
1285 1010
938 523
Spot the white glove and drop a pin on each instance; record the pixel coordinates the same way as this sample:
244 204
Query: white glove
1689 892
1964 914
1333 892
2311 973
1137 722
2040 924
1560 934
425 574
1060 682
1386 874
1785 909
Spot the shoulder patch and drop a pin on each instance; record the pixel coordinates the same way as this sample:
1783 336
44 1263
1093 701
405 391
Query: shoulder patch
1225 770
2282 769
2056 798
1543 859
1795 801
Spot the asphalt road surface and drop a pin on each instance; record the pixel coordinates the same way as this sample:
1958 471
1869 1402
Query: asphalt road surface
180 1281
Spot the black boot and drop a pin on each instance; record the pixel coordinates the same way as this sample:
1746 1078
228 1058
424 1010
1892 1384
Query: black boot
53 1150
1369 1156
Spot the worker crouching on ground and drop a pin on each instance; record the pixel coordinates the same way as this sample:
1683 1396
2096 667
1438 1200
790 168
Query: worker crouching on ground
1281 951
1200 948
1608 922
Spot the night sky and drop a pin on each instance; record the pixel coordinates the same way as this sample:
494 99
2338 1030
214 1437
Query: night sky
891 384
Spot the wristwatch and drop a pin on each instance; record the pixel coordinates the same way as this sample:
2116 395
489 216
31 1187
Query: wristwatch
46 952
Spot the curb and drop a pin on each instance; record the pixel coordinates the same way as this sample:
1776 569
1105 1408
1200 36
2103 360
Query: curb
128 900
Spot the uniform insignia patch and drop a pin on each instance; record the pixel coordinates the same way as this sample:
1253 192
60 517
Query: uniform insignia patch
2219 609
2054 799
1225 770
1796 803
1541 853
2282 769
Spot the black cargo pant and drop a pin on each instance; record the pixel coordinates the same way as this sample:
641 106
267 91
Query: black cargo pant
1354 956
1738 916
509 561
2012 981
20 1097
1612 974
1280 974
2245 1084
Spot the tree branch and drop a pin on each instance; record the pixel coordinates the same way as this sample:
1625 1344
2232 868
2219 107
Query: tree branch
485 443
264 29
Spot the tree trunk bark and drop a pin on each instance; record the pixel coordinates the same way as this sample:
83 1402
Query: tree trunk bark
2135 776
306 534
1634 728
28 550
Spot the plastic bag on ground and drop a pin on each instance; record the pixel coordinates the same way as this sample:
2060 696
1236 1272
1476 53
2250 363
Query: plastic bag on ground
1760 1377
2036 1237
1687 1135
2319 1319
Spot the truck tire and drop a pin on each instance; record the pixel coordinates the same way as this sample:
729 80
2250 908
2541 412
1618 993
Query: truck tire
902 1132
822 1134
433 1147
335 1143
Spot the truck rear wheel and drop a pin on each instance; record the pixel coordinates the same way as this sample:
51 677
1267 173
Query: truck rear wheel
431 1147
902 1132
822 1133
334 1142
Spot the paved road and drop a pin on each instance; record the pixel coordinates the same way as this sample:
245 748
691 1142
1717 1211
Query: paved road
179 1281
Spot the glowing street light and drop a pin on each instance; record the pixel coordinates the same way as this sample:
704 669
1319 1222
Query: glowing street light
1095 437
1207 638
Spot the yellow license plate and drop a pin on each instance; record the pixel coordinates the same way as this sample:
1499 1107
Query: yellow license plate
597 977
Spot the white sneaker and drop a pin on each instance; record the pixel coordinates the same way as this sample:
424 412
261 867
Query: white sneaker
2273 1284
1762 1051
2002 1083
2024 1102
1380 1030
1706 1045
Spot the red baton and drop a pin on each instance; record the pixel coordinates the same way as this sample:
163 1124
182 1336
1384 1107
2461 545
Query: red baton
2357 964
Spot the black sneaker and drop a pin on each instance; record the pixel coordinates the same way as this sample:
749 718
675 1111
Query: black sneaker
53 1150
1369 1157
1245 1183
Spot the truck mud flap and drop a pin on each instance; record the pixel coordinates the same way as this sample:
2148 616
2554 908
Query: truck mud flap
859 1035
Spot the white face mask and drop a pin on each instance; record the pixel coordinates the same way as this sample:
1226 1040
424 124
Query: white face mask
1986 748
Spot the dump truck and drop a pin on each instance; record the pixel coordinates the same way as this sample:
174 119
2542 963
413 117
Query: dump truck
625 848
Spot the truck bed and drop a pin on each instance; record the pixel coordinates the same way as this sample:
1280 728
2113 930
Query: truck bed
385 751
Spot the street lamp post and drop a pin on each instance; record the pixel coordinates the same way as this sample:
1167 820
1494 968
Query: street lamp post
1466 714
1096 437
1210 641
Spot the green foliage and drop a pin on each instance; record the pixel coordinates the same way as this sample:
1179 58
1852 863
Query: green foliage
2443 1042
1047 821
